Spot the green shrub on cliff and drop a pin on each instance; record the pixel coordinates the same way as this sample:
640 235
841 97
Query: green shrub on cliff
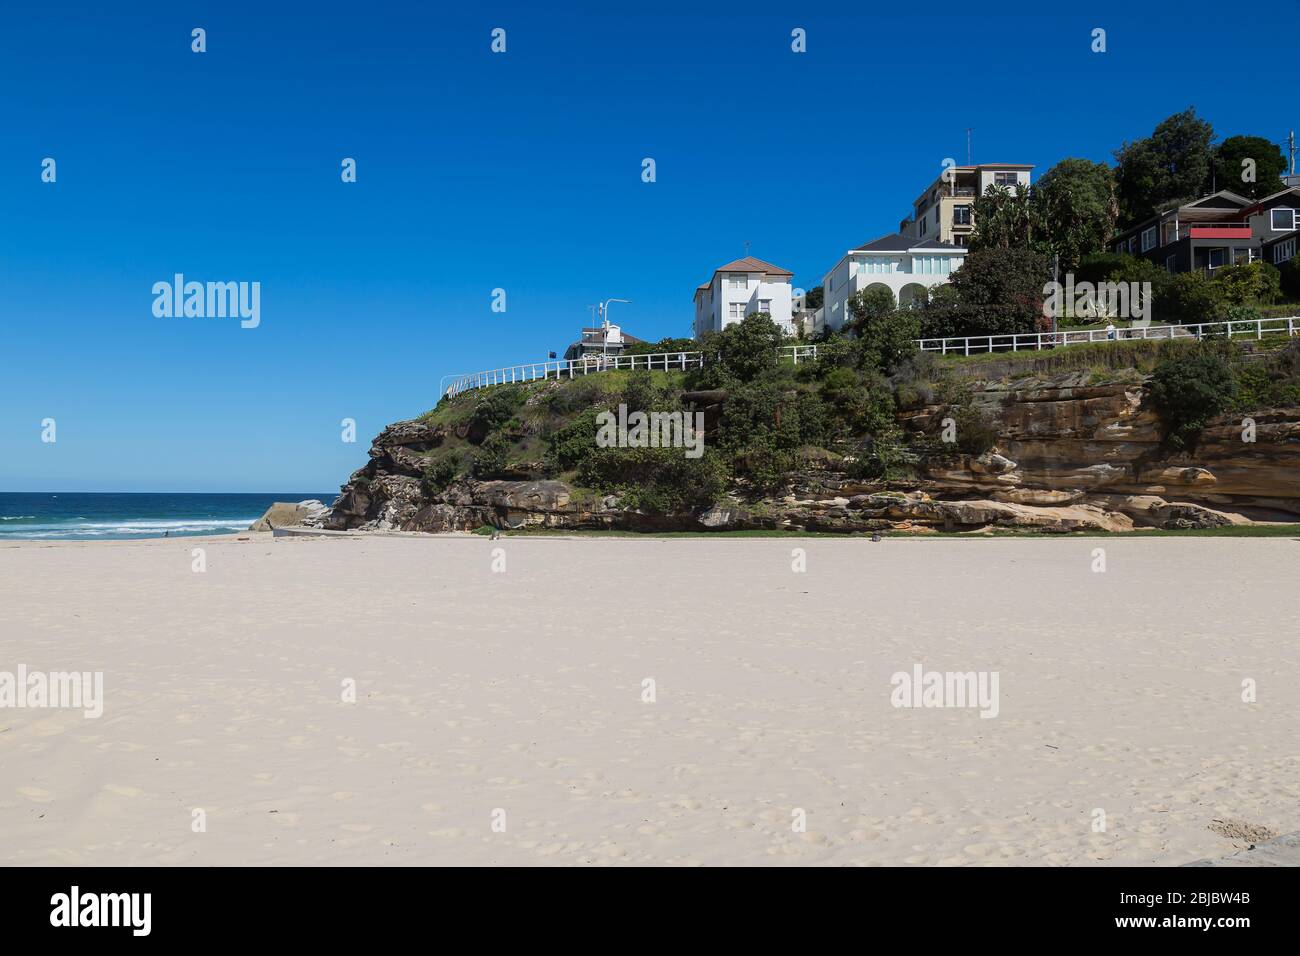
1270 381
568 446
655 480
1189 390
439 474
490 459
975 433
741 352
863 402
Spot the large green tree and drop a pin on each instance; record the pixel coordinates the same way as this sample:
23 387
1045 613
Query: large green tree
1005 219
1077 209
887 333
996 292
1172 164
1261 176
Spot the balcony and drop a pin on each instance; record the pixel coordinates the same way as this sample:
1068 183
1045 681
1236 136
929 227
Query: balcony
1220 230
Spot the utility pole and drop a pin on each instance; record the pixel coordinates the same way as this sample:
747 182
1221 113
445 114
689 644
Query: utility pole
1056 278
969 130
746 248
1290 141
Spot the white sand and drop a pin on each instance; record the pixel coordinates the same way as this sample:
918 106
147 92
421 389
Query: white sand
522 691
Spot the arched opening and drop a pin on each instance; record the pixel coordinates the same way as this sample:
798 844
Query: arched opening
912 294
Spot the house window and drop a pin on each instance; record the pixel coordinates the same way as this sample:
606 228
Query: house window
1132 244
1170 264
874 265
738 282
961 215
1283 252
737 310
765 305
1148 238
1005 179
1282 220
1216 258
932 265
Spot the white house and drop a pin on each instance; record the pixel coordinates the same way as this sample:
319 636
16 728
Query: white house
900 264
739 288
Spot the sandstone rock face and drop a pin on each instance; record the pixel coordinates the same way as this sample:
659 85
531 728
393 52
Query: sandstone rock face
1091 443
1070 455
285 514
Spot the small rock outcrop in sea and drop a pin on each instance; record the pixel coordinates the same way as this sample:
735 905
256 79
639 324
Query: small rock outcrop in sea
287 514
1069 455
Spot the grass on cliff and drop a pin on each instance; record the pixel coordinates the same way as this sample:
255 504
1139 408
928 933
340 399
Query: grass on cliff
1138 354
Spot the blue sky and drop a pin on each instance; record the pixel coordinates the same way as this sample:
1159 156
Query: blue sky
478 171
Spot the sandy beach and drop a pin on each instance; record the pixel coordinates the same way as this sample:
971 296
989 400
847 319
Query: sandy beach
500 717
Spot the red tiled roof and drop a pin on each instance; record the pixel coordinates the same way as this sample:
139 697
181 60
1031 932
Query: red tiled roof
750 264
747 264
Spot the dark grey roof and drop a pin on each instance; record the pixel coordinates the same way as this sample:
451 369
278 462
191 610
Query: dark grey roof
935 244
898 242
1223 199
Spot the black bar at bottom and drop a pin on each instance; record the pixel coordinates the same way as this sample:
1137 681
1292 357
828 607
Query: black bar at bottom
334 906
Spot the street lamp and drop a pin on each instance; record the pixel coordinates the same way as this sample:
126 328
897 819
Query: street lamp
604 315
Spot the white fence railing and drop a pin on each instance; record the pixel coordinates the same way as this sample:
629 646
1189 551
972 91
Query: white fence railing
980 344
569 368
969 345
798 353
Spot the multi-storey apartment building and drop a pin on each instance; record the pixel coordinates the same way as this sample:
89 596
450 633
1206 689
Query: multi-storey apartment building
946 210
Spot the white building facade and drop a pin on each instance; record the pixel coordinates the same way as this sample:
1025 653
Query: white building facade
740 288
903 265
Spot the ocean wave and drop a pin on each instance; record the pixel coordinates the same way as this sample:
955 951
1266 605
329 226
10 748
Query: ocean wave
16 517
136 527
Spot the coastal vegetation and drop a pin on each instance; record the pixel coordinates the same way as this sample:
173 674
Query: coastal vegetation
768 420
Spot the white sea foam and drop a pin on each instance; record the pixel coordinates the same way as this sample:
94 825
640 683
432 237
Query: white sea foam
129 526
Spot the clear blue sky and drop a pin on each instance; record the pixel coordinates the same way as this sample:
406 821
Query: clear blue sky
478 171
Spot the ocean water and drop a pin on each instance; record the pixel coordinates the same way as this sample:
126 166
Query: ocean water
84 516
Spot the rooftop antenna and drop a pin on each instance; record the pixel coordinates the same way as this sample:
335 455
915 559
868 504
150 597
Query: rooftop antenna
969 130
746 247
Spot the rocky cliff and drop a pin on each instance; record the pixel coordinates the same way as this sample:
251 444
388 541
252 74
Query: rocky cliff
1069 455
